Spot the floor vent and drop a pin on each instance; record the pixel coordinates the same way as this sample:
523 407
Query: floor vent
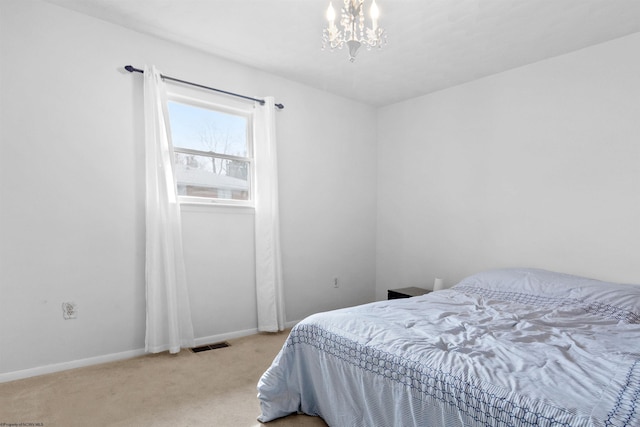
210 347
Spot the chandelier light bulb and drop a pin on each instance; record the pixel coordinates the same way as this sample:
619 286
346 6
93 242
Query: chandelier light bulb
331 13
375 14
351 29
374 11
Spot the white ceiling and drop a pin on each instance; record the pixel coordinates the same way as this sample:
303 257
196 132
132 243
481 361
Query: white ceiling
432 44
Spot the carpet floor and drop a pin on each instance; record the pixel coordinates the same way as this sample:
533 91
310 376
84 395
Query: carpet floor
210 388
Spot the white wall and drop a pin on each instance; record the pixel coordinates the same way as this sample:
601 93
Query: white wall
72 187
538 166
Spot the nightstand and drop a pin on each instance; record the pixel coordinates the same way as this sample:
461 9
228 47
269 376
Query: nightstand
406 292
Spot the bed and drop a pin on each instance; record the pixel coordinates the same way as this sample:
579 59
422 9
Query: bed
512 347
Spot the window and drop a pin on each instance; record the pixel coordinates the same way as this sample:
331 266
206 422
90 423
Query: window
213 152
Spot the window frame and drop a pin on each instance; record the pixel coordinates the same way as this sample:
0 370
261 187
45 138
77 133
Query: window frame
217 106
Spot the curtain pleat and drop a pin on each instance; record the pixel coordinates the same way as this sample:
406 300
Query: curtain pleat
168 316
269 282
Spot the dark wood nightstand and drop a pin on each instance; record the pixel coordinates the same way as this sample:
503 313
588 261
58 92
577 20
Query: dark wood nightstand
406 292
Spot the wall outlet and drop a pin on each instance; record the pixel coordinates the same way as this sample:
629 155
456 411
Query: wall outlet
335 282
69 310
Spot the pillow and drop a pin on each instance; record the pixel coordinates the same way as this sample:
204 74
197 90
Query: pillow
541 287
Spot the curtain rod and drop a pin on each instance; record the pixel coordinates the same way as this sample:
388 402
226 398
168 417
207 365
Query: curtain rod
132 69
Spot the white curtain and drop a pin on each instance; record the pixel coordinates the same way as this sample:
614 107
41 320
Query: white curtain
269 284
169 324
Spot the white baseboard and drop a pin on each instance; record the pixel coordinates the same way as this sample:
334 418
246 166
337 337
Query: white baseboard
57 367
212 339
291 324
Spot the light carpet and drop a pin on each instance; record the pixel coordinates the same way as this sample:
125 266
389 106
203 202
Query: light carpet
210 388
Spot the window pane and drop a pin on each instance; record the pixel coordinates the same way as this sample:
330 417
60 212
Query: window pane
207 130
210 176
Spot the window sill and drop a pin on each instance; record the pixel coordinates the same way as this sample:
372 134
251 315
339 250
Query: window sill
216 207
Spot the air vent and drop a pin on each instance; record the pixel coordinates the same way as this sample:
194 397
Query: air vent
207 347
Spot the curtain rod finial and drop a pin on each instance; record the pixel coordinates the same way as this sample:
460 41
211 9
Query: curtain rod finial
131 69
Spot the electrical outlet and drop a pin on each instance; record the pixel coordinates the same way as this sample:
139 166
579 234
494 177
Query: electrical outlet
335 282
69 310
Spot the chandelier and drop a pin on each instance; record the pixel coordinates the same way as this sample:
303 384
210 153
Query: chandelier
351 30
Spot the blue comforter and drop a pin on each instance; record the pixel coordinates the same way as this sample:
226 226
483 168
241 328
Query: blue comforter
514 347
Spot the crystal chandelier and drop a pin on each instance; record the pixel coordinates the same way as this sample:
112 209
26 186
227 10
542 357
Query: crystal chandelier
352 30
